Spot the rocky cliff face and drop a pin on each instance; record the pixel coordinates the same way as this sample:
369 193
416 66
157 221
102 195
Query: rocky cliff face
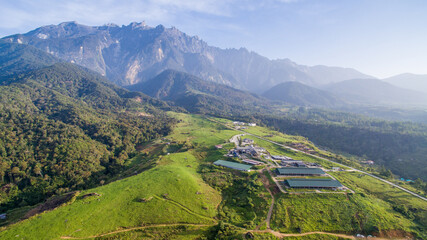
137 52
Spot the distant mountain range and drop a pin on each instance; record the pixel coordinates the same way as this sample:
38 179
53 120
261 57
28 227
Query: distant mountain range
300 94
136 52
411 81
376 92
353 92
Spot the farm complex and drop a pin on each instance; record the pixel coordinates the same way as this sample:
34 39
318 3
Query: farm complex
287 173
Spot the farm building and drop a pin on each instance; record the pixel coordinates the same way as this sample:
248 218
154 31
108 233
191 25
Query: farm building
253 162
300 171
247 141
233 165
300 164
313 183
290 162
283 158
260 149
247 149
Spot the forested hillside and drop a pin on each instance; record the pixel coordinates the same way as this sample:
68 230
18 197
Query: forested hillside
64 127
17 58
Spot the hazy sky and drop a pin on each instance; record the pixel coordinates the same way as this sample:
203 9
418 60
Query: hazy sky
377 37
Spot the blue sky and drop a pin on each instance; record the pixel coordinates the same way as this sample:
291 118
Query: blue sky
378 37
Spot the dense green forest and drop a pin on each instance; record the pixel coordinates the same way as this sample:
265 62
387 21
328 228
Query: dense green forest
63 127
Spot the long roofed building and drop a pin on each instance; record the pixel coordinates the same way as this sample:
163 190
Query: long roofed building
313 183
233 165
300 171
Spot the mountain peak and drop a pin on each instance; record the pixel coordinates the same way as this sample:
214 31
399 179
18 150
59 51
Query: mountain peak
138 25
68 23
111 25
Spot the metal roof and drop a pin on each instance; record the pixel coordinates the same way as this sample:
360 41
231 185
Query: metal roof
253 162
301 171
233 165
319 183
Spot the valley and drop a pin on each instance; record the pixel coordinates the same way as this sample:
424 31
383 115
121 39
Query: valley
184 196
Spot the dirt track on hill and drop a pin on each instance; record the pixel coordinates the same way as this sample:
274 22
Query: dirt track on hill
138 228
270 211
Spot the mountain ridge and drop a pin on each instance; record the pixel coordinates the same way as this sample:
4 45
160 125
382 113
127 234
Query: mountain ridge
137 52
416 82
197 95
303 95
18 58
376 92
